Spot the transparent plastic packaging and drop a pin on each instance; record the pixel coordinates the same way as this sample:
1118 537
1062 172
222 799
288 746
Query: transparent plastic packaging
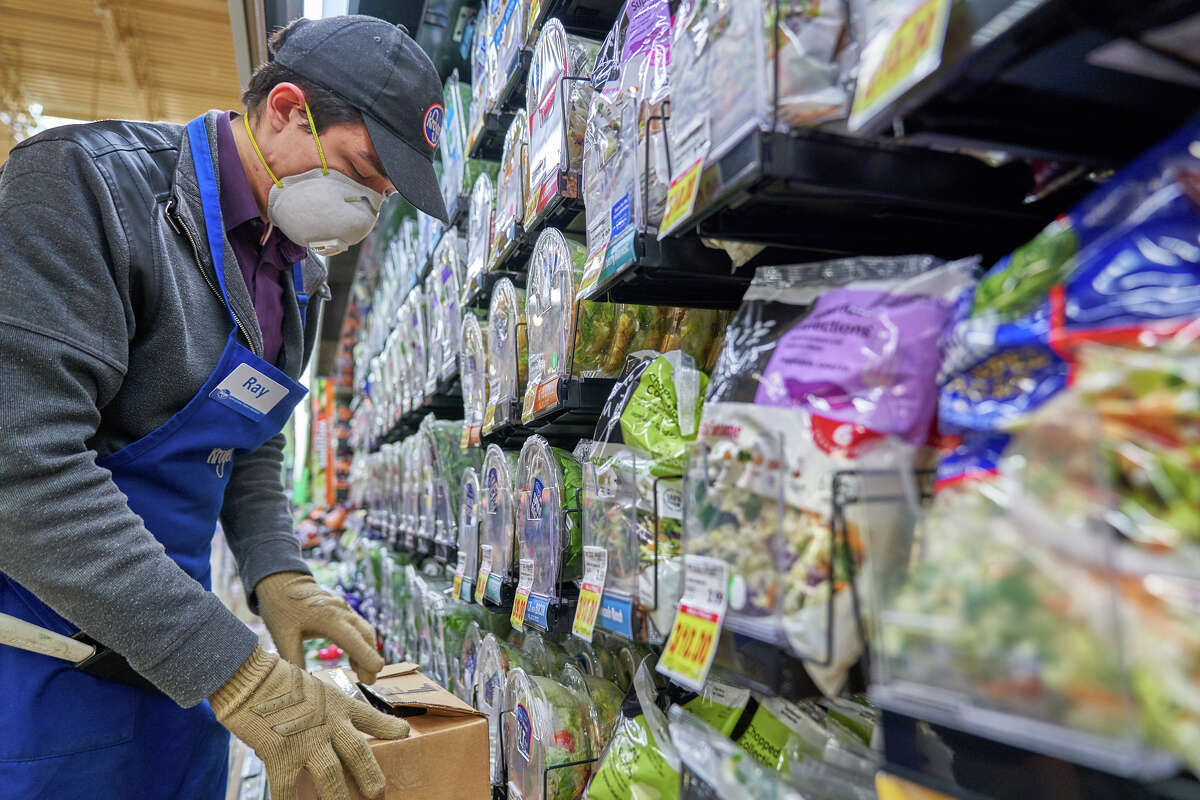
512 188
559 94
414 341
453 143
549 534
436 332
446 280
480 79
490 684
506 21
479 235
508 349
546 724
498 517
469 662
472 369
469 509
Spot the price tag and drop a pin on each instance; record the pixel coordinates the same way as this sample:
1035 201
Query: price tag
894 62
595 567
521 600
547 395
485 570
459 569
535 11
692 643
681 198
889 787
489 418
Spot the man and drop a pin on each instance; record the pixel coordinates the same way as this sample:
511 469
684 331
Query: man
156 308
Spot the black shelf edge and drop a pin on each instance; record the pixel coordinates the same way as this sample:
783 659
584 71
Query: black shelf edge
490 144
767 668
674 272
591 18
512 96
517 252
507 430
459 211
823 195
482 296
577 408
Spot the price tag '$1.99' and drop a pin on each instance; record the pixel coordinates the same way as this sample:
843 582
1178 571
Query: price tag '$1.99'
692 643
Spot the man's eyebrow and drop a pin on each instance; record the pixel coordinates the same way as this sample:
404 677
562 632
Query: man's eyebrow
373 160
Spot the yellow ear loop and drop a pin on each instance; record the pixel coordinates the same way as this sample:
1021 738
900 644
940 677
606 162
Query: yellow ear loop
254 144
312 126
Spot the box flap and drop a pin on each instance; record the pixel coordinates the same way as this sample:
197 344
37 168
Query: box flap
411 689
392 670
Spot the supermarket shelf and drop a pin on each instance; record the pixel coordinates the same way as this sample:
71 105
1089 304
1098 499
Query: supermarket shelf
507 430
762 667
490 144
445 553
1124 758
681 272
515 255
512 96
569 407
482 297
1023 77
983 768
592 18
563 209
559 615
459 210
826 195
425 545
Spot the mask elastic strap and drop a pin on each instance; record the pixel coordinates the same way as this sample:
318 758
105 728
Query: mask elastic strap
254 144
312 126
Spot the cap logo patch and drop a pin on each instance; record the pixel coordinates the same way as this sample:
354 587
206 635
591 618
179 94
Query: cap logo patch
433 123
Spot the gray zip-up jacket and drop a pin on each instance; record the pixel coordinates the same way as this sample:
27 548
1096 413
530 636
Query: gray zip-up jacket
109 325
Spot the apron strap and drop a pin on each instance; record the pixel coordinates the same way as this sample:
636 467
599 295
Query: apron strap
206 179
301 295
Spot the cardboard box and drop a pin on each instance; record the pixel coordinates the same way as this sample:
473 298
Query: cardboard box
445 757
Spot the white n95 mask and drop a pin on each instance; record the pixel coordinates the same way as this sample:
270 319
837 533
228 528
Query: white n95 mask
321 209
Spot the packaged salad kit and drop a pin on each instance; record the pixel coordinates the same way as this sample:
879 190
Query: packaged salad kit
633 491
469 514
445 333
479 236
506 23
548 728
512 187
826 383
548 532
567 338
480 80
497 540
559 94
625 169
459 173
472 370
508 355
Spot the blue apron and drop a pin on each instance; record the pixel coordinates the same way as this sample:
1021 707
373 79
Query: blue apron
65 734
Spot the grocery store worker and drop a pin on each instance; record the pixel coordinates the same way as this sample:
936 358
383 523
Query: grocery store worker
157 305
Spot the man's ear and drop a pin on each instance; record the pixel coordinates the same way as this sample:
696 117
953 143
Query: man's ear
284 106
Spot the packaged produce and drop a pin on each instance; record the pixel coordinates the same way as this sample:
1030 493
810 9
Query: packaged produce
640 760
512 187
472 369
469 509
508 352
1108 271
806 47
549 536
445 286
826 367
435 320
479 235
625 177
638 328
559 94
411 487
414 339
480 79
490 683
456 98
550 724
498 519
559 344
469 662
720 705
605 701
506 21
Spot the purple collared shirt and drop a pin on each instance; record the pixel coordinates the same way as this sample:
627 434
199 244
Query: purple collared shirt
261 265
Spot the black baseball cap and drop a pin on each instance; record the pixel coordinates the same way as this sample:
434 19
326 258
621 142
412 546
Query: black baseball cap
378 68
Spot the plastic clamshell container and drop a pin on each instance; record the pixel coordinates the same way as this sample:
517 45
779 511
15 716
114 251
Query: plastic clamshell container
610 518
446 283
490 683
546 529
453 143
497 516
472 370
468 528
469 663
546 723
480 80
507 345
435 336
480 216
512 187
506 21
559 93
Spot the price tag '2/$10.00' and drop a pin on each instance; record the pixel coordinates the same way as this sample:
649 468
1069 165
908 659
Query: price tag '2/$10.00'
485 570
692 643
591 591
521 599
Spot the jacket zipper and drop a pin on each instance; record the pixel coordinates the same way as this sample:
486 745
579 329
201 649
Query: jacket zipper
181 229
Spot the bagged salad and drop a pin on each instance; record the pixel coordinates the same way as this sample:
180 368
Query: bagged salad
472 369
559 93
479 235
549 536
512 189
826 368
506 22
559 344
469 511
508 352
497 542
551 724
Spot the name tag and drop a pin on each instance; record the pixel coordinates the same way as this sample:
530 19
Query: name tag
249 392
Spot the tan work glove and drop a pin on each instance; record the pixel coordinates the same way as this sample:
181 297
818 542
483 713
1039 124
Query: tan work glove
295 608
295 722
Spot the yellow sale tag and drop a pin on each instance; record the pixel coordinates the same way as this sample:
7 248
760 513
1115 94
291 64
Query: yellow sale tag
535 11
891 65
591 590
465 441
521 600
485 570
681 198
458 578
691 646
489 418
889 787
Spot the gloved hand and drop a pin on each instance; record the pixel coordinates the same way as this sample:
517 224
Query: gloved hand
294 722
295 608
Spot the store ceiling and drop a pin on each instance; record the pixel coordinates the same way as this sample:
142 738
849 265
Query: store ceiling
134 59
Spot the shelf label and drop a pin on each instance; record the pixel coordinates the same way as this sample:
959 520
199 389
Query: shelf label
459 568
521 600
692 643
894 62
485 571
535 13
545 396
681 198
616 615
591 590
537 611
489 418
889 787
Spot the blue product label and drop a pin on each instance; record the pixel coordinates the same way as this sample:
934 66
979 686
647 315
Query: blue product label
976 457
620 254
536 611
1001 388
467 592
524 731
535 499
616 615
489 689
469 659
620 216
508 12
493 487
492 592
